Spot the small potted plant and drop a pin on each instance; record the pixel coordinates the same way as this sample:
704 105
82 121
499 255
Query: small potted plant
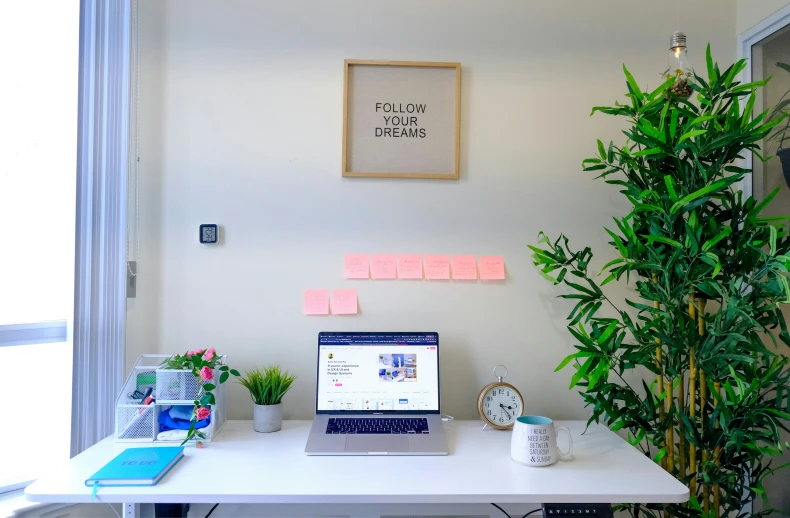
781 135
267 388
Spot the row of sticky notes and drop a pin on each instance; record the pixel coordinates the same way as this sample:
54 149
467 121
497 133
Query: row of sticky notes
412 266
316 302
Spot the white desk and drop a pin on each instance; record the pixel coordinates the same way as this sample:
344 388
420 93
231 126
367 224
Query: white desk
248 467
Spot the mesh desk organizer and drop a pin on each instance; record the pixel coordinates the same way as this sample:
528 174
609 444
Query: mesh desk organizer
135 422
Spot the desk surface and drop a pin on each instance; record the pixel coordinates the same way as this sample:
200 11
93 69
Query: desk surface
242 466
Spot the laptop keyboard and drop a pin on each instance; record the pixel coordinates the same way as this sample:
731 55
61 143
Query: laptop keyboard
377 426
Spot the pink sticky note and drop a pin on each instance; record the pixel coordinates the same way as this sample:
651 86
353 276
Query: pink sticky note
344 302
465 267
437 266
410 266
492 268
316 302
356 266
382 266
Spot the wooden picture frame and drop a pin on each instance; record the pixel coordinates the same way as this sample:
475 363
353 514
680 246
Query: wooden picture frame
401 119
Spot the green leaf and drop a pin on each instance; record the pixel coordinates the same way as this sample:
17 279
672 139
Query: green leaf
581 372
608 332
660 455
698 194
564 363
690 134
235 372
224 377
632 85
734 70
707 245
645 152
670 187
694 503
224 368
747 110
709 62
715 262
749 86
701 119
208 387
768 199
661 239
772 239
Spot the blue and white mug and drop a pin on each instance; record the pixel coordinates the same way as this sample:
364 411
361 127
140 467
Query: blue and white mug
534 441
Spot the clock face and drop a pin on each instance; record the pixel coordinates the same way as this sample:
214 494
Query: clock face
500 404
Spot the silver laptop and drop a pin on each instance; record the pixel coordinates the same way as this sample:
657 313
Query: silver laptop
378 394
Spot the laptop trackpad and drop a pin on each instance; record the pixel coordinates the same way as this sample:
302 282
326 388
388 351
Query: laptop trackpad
377 443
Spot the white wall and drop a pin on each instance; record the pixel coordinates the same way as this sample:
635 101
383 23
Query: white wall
750 12
240 124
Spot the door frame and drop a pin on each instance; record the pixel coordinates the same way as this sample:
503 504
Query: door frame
746 40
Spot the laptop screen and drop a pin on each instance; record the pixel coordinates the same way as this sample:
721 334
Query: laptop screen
372 373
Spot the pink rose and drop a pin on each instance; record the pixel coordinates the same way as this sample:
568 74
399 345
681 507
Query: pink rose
199 444
206 373
199 352
190 353
210 354
203 413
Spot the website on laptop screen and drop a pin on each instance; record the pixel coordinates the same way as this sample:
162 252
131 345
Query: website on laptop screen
378 372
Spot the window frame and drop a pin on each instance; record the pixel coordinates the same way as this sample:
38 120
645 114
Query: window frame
31 333
746 40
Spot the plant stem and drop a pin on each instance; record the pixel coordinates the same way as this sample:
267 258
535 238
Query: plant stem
670 456
659 376
703 396
692 402
716 454
681 435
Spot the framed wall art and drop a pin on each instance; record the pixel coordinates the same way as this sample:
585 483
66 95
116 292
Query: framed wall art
401 119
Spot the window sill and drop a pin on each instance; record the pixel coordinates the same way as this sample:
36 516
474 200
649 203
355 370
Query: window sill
15 505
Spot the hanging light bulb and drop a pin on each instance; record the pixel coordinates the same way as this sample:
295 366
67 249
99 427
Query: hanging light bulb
679 66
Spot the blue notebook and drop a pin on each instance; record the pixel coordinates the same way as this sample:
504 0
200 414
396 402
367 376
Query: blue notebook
137 467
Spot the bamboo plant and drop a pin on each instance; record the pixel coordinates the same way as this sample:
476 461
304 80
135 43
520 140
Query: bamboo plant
708 274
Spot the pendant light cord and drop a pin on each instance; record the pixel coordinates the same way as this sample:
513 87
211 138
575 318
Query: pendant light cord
677 15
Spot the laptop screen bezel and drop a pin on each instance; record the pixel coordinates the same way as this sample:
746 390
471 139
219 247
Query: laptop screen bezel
378 412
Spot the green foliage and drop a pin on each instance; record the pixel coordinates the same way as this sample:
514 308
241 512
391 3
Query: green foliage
690 231
267 386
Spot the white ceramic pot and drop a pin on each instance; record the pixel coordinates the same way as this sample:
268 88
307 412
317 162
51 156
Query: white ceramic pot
267 418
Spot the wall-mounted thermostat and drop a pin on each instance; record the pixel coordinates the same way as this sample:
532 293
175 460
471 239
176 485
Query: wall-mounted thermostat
209 233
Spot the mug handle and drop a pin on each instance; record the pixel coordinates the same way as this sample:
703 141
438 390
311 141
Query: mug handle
569 453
